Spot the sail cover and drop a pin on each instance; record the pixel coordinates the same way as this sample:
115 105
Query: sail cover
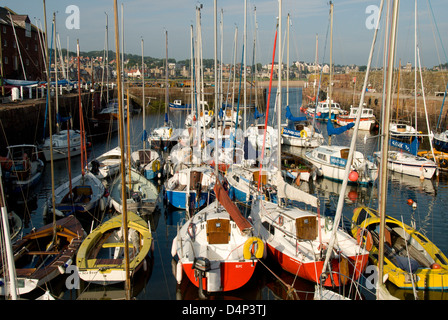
290 116
287 191
335 131
231 208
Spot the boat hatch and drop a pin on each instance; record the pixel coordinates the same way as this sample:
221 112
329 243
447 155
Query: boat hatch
344 153
264 177
195 179
218 231
144 156
306 228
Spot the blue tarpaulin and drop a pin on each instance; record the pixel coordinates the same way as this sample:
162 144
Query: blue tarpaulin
290 116
335 131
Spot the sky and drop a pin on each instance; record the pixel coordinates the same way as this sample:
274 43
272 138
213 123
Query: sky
150 20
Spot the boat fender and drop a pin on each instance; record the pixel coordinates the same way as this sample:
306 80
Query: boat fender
102 204
303 134
59 213
435 266
179 272
210 113
45 210
360 238
174 247
156 165
170 132
253 244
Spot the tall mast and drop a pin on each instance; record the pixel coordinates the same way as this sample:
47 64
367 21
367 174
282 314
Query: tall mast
279 112
56 73
123 172
287 60
216 90
107 57
50 125
7 246
143 98
166 77
245 62
330 89
385 142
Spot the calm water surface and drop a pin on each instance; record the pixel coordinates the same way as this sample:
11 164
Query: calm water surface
158 283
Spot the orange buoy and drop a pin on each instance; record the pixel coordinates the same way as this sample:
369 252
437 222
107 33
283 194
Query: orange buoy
410 202
436 266
353 176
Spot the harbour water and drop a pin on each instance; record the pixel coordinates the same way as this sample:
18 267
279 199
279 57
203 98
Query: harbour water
430 217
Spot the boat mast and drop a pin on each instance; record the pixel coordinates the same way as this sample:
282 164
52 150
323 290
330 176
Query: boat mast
288 22
80 111
50 126
279 113
341 201
245 68
217 144
330 87
166 77
143 99
385 143
123 172
7 244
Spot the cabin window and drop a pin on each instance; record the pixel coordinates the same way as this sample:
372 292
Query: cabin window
322 156
269 227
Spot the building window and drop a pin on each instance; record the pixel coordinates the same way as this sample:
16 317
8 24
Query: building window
14 45
27 61
28 30
6 60
4 29
35 47
5 43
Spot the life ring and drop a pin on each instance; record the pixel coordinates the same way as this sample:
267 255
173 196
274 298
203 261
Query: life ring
303 134
253 244
156 165
368 240
443 162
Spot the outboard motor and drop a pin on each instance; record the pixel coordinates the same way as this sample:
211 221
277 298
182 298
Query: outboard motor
201 266
95 167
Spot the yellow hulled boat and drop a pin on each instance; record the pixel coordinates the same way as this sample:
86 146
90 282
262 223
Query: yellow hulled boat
410 258
100 258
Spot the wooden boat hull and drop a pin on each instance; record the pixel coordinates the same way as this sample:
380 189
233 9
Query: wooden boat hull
29 274
93 262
